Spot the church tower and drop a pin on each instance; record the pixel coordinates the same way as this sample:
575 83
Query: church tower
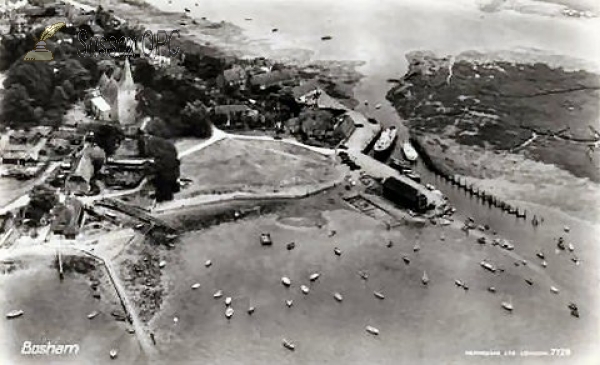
126 103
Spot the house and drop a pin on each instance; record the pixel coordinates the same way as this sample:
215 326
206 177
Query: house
79 180
68 218
307 93
404 194
235 113
344 127
272 79
234 77
100 108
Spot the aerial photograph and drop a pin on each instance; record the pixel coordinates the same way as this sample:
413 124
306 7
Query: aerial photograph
345 182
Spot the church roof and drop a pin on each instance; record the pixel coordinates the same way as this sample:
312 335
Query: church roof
111 91
103 81
126 77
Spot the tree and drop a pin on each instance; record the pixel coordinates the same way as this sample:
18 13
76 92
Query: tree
42 199
17 106
195 120
74 72
36 77
108 137
166 165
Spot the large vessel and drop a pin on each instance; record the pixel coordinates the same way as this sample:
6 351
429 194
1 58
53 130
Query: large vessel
409 151
386 140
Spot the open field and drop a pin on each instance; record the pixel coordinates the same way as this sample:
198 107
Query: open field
57 311
253 166
418 324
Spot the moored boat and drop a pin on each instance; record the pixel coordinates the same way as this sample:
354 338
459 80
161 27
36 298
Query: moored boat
288 345
304 289
338 297
286 281
228 301
289 302
372 330
409 152
326 38
14 313
92 315
229 312
196 286
218 294
379 295
314 276
508 306
113 354
425 278
386 140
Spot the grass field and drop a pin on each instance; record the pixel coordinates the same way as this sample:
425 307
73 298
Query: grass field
242 165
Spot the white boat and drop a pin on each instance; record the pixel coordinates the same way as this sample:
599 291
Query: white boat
92 315
113 354
304 289
425 278
379 295
251 310
567 229
508 306
314 276
416 248
458 282
409 151
544 263
289 302
385 141
229 312
288 345
14 313
338 297
196 286
208 263
372 330
337 251
377 106
554 289
571 247
228 301
488 266
286 281
162 264
218 294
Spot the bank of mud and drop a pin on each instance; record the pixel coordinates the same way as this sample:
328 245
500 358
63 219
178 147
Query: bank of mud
520 131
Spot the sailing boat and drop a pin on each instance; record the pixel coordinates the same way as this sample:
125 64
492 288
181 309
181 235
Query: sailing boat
508 305
425 278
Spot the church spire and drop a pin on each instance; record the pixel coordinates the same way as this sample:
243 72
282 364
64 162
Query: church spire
127 79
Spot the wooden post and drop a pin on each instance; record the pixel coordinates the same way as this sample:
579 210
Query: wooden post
60 266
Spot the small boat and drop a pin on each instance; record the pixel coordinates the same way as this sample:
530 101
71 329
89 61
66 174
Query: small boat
571 247
286 281
338 297
481 240
304 289
175 319
561 243
228 301
465 287
92 315
131 331
385 141
508 306
251 310
196 286
289 302
488 266
162 264
326 38
425 278
372 330
406 260
554 289
337 251
573 306
14 313
377 106
416 248
524 262
113 354
290 246
187 10
458 282
379 295
540 255
218 294
390 244
288 345
575 260
529 281
274 30
265 239
208 263
229 312
413 176
409 151
363 275
492 289
566 228
314 276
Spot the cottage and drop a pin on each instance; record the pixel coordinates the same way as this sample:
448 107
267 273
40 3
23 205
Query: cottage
234 77
79 181
68 218
307 93
272 79
404 194
235 113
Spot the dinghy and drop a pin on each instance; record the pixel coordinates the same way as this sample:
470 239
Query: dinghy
218 294
288 345
14 314
229 312
372 330
92 315
228 301
554 289
314 276
286 281
425 278
162 264
289 303
304 289
113 354
338 297
379 295
251 310
337 251
196 286
208 263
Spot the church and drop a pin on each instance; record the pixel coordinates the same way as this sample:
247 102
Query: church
121 97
